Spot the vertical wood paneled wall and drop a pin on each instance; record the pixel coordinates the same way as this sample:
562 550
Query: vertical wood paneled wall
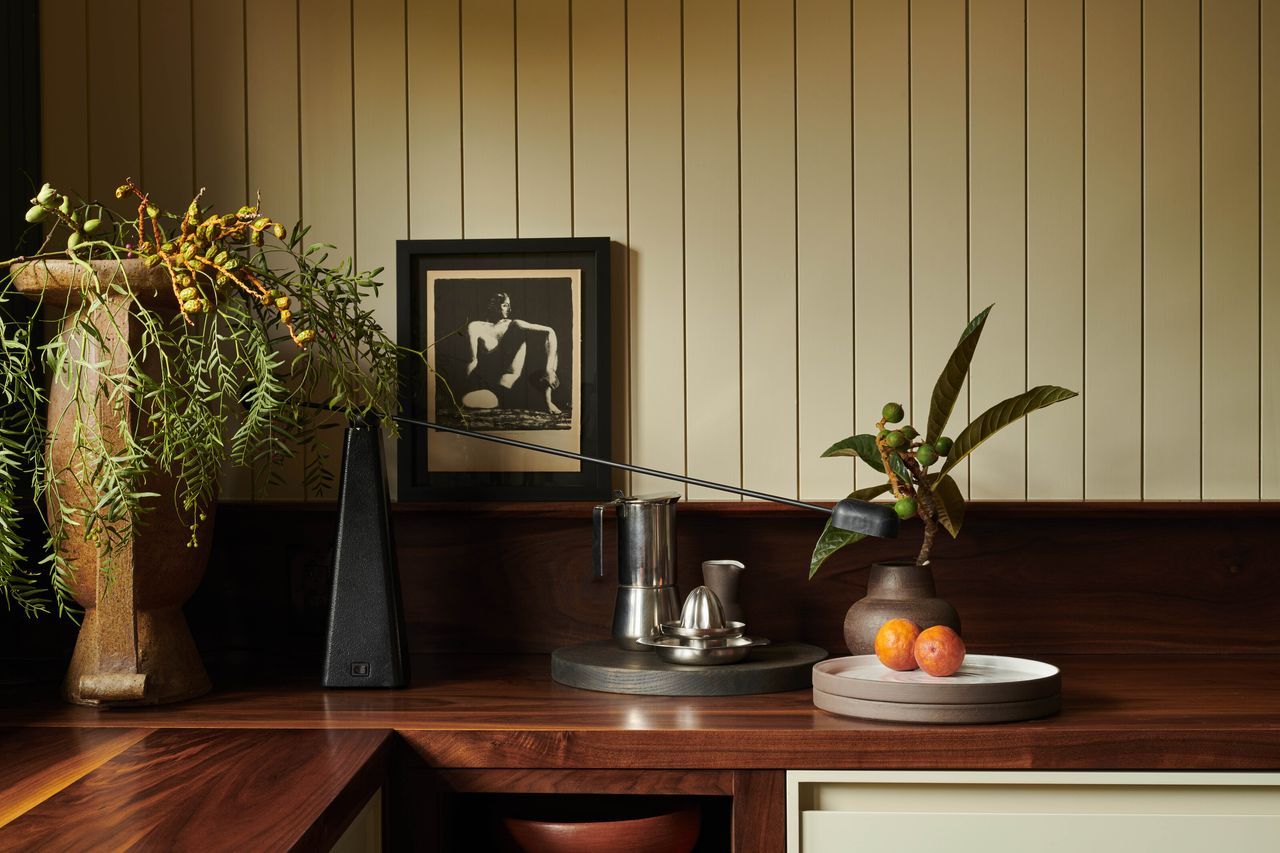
808 200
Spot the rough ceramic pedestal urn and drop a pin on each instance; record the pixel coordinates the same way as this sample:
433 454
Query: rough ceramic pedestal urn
896 590
134 647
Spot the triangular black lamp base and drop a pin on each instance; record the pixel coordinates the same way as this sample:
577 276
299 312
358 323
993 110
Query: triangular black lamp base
366 644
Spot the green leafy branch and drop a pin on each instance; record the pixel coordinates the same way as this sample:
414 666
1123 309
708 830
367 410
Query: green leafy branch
905 456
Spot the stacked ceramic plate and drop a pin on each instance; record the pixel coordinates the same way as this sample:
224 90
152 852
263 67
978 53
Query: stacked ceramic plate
986 689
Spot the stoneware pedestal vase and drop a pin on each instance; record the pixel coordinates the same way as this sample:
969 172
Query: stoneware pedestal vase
896 590
134 647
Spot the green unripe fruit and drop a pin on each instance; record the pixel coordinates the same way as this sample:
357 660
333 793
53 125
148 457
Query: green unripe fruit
121 190
73 239
895 439
286 315
905 507
943 446
926 455
282 303
883 434
306 336
187 294
36 214
191 306
153 211
205 306
46 194
892 412
65 207
279 231
92 225
910 432
167 248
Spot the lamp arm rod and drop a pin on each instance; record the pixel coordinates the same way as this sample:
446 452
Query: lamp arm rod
693 481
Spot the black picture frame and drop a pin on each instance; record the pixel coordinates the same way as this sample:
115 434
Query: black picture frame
449 304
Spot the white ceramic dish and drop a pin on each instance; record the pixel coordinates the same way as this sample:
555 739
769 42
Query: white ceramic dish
914 712
981 679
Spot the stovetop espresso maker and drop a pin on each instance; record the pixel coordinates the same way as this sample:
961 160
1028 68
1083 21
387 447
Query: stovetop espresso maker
646 565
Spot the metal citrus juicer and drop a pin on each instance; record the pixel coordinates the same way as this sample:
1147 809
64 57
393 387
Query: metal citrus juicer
647 594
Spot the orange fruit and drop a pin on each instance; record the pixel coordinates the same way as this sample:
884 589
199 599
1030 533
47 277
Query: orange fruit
939 650
895 642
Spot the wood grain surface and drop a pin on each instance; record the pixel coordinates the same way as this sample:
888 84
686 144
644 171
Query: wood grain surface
1027 579
39 763
185 790
759 811
696 782
1119 711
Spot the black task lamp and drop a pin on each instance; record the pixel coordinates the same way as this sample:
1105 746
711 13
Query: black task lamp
366 642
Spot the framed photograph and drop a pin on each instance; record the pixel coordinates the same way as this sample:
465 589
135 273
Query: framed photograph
517 340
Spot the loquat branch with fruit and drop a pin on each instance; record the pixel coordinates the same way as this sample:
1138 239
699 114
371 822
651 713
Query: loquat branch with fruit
905 456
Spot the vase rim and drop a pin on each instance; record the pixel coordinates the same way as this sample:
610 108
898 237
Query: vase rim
903 564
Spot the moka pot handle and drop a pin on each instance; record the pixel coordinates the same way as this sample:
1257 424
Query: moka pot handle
597 535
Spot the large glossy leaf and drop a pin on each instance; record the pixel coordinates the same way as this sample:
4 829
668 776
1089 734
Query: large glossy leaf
949 502
1000 416
833 539
947 389
864 447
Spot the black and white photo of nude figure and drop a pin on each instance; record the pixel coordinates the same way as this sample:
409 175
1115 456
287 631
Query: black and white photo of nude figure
502 342
505 370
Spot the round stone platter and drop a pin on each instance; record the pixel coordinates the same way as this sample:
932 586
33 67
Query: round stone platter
601 665
981 679
915 712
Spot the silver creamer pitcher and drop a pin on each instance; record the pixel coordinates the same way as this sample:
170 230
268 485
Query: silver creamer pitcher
646 565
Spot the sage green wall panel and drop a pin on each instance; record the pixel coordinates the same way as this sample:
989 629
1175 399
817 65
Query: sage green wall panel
220 155
273 131
64 95
997 237
165 100
544 164
824 242
379 90
489 207
713 366
218 87
1171 252
327 116
1113 249
1055 244
937 303
1270 72
599 68
791 185
115 88
656 241
882 207
768 185
1230 249
434 69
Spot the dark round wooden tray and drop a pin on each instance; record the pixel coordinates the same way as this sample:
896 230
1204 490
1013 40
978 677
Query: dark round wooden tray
601 665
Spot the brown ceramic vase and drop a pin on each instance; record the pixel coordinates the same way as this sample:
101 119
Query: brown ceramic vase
896 590
134 647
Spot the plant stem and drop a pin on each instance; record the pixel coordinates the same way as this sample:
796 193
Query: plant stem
884 459
926 509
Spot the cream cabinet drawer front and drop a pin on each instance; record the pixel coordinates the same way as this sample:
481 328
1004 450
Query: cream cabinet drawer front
929 832
995 811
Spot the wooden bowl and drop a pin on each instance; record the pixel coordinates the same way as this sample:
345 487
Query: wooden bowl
669 832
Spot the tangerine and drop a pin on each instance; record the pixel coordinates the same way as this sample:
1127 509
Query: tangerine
939 651
895 644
